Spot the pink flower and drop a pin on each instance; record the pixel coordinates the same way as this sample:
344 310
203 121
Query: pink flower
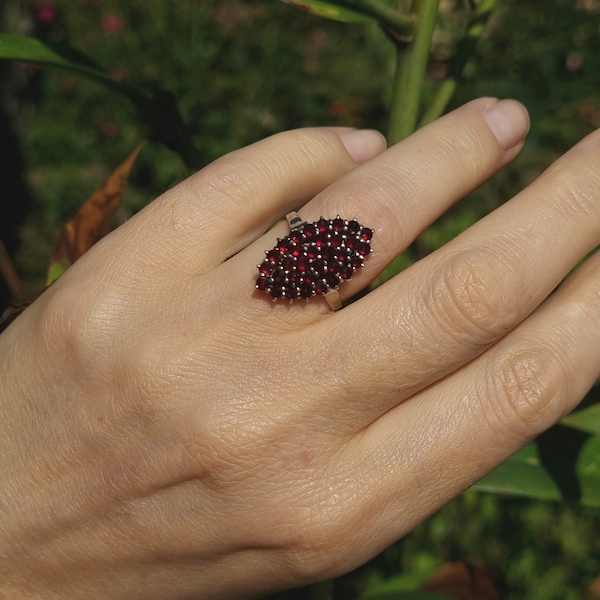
112 24
109 129
574 62
45 13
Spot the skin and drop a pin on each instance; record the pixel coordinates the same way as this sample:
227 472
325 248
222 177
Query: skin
167 431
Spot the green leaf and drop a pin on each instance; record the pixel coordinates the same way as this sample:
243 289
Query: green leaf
337 10
391 595
585 419
521 475
56 270
34 50
157 107
401 587
563 464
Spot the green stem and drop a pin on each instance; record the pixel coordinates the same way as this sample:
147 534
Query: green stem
410 73
386 15
466 47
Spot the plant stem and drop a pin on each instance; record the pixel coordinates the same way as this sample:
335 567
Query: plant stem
473 33
410 73
388 16
10 275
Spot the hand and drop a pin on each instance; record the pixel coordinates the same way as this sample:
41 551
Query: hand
169 432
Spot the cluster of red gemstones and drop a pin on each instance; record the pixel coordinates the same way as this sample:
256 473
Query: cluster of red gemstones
314 259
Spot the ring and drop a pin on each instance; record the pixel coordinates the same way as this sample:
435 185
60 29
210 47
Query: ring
314 259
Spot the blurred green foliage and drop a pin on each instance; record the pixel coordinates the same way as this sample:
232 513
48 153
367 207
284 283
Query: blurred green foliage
244 69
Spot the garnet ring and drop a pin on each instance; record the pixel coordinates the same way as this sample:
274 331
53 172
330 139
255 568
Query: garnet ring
314 259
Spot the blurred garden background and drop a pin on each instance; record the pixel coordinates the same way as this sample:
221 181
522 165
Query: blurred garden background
240 70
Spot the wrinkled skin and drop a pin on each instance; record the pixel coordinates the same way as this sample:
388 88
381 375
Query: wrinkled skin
169 432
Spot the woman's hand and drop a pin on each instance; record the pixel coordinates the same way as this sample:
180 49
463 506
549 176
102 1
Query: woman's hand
168 432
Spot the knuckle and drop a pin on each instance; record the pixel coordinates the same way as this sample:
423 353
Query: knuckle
312 147
373 197
63 325
224 182
575 196
524 387
461 143
574 182
468 293
313 544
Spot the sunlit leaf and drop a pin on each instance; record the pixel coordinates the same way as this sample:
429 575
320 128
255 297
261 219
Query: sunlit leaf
34 50
521 475
563 464
585 419
93 220
337 10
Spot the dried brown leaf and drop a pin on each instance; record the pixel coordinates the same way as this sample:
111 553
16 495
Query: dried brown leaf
93 220
462 581
593 591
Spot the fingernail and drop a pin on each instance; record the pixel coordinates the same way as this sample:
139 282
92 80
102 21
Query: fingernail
509 122
363 144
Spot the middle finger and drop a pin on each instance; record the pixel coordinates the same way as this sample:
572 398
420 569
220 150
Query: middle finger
399 193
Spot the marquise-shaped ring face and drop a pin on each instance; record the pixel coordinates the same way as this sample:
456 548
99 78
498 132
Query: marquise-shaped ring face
315 258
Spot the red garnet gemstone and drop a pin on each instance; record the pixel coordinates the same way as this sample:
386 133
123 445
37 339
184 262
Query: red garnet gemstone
263 283
357 262
323 225
321 287
321 239
314 259
333 280
333 266
337 224
346 271
309 231
353 226
363 248
329 253
312 252
319 266
273 256
288 262
290 291
279 276
266 268
341 255
276 291
283 245
306 290
302 264
295 237
366 234
336 240
351 243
